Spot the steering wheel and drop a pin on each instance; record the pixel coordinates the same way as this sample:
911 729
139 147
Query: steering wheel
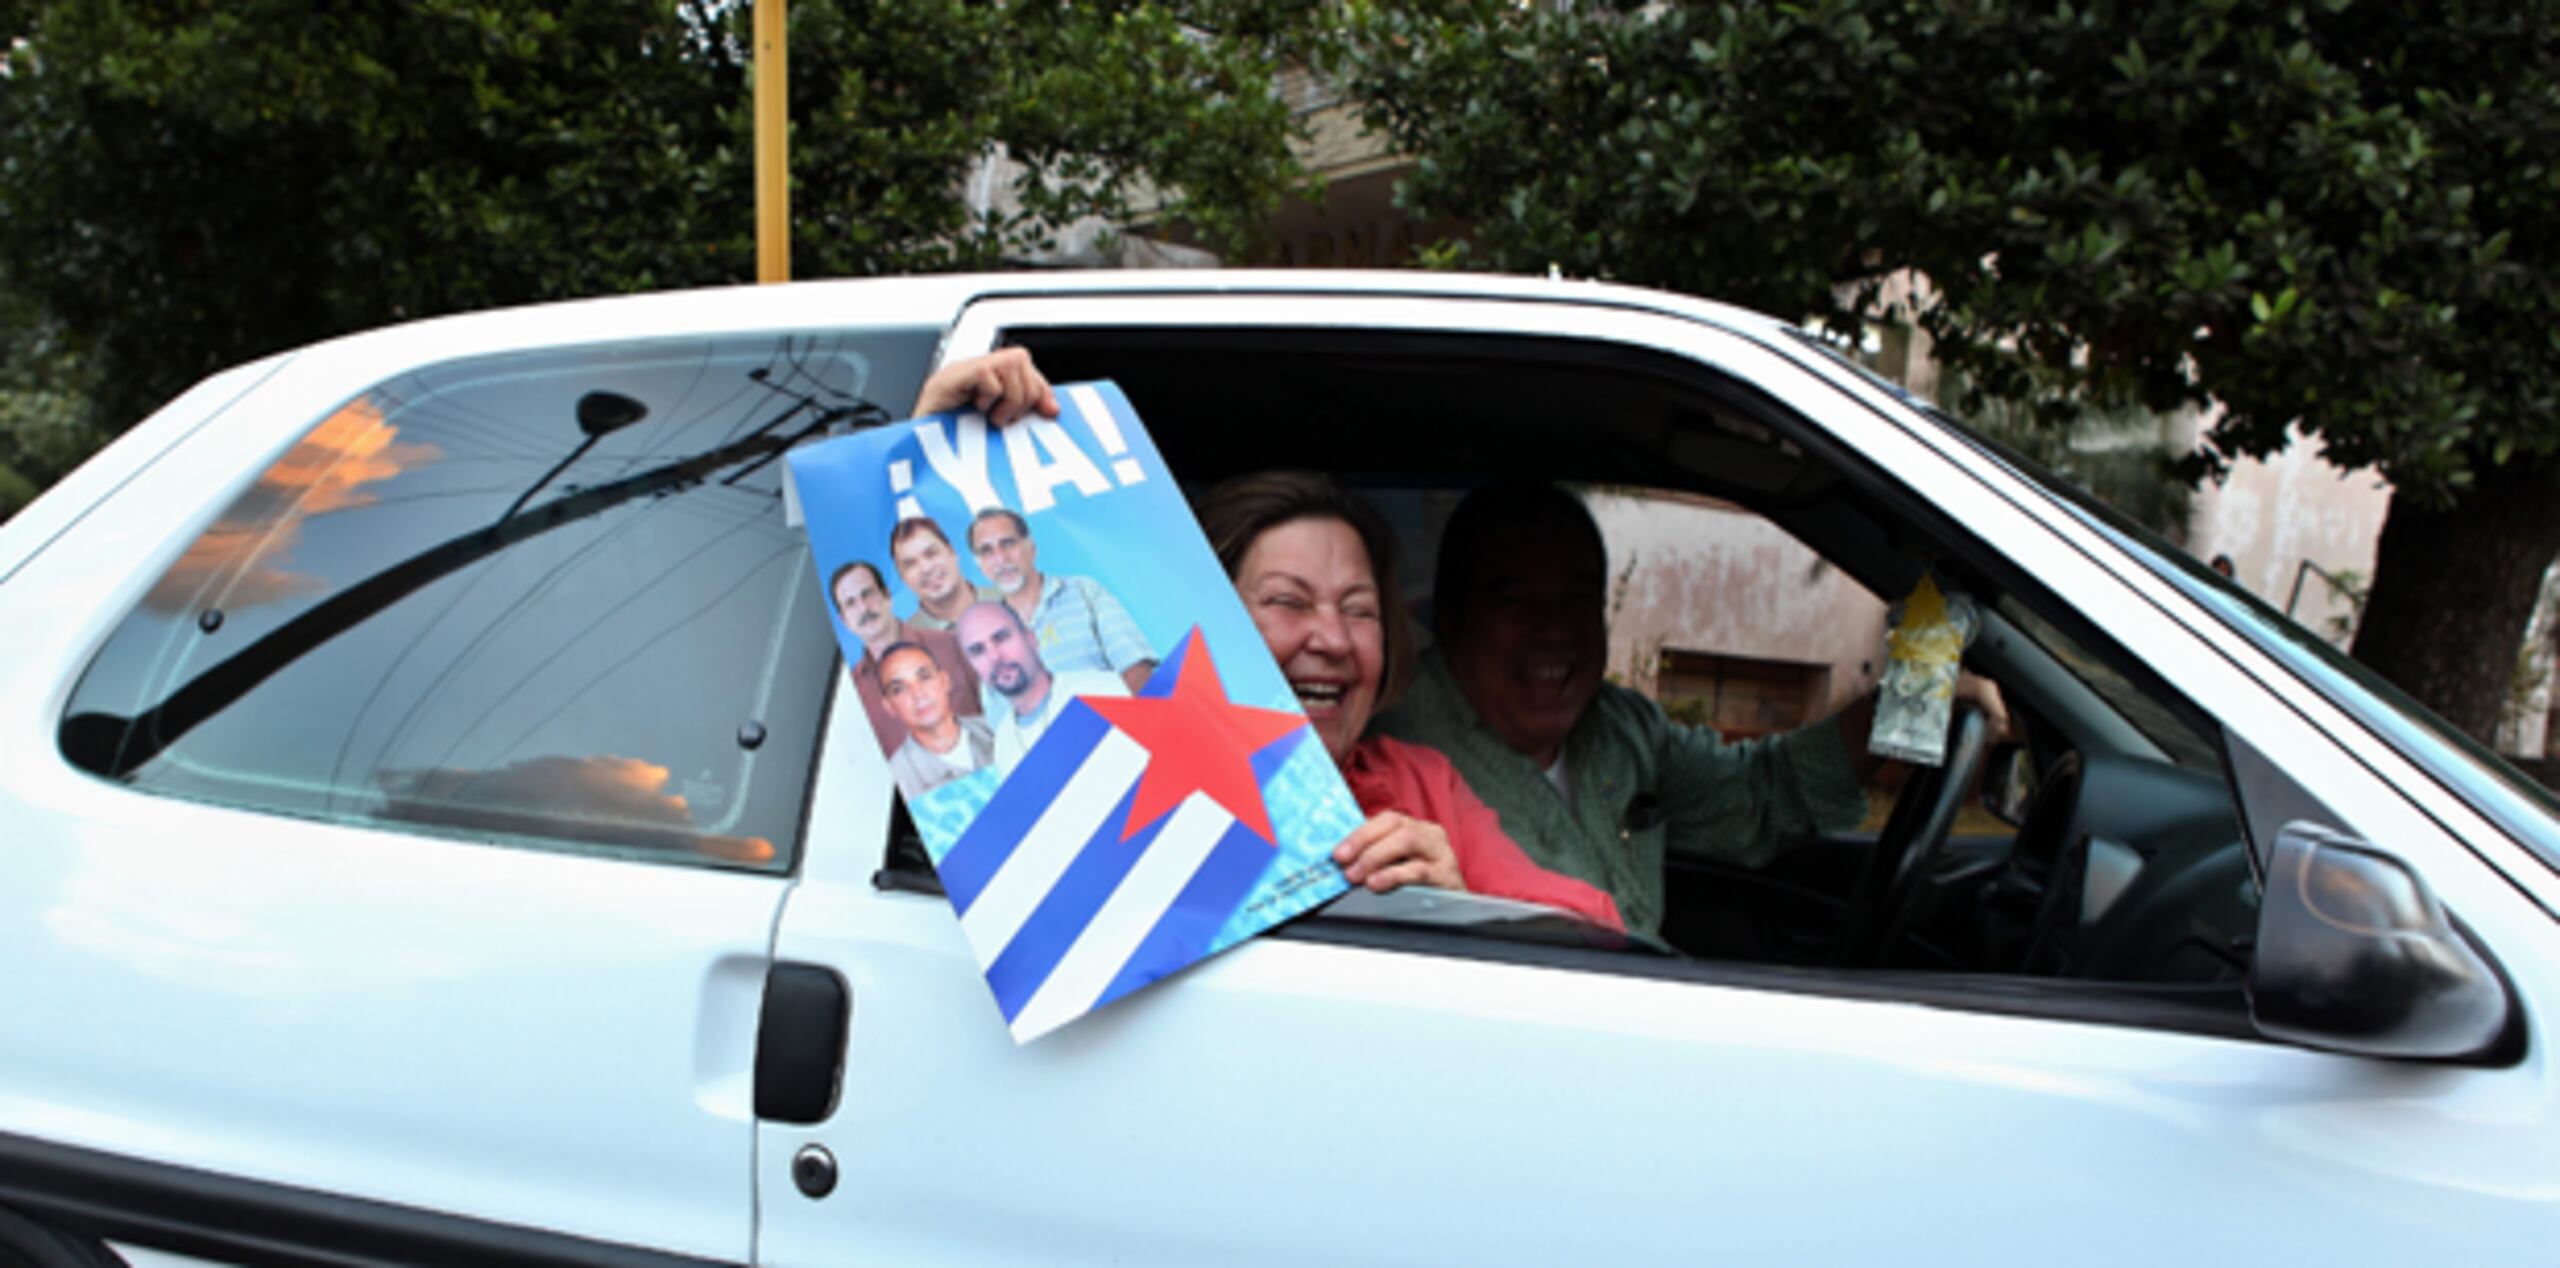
1890 886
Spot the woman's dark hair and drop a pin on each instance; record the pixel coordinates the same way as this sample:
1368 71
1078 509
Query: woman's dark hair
1241 510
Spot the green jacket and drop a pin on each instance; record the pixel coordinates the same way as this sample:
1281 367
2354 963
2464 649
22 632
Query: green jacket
1643 785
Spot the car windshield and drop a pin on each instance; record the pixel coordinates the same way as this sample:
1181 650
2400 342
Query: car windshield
2525 808
2461 762
2139 708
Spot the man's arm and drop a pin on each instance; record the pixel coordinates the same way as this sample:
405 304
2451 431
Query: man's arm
1857 720
1743 802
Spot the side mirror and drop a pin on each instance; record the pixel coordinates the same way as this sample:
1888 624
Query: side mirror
2008 782
2355 955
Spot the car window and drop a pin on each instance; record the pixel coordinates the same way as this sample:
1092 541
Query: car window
550 599
1752 559
2157 722
1714 613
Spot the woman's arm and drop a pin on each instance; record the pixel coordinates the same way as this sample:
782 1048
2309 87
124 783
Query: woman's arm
1003 385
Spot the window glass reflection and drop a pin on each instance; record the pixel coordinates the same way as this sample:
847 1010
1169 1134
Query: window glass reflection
544 597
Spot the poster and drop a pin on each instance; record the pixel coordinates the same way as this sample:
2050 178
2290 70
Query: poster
1112 777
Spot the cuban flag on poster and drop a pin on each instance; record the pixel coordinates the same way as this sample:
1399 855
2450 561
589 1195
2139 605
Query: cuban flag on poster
1112 777
1118 849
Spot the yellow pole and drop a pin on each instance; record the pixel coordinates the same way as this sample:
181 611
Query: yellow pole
773 156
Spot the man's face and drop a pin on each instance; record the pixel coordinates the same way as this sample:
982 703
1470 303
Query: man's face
865 608
1004 553
998 649
1533 643
928 565
916 689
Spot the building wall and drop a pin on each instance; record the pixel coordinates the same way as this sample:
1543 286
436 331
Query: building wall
1694 574
2276 515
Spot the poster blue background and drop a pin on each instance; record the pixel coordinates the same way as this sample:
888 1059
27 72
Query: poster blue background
1137 537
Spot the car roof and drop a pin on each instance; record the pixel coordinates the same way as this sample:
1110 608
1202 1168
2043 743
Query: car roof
835 301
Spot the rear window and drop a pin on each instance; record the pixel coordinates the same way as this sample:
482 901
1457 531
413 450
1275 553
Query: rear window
545 599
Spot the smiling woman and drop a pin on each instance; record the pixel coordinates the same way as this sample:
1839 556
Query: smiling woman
1316 569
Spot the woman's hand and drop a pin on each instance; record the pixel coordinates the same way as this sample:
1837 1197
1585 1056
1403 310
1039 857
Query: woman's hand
1003 385
1393 850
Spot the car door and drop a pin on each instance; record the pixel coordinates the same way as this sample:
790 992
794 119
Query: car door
405 764
1342 1094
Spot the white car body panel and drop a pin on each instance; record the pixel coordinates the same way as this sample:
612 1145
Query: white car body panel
37 525
567 1042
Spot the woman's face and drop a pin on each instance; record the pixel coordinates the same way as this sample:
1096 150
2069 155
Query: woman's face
1309 588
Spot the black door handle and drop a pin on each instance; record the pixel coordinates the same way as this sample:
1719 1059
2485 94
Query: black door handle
800 1043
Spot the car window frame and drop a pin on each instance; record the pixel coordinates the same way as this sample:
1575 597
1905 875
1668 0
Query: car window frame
984 325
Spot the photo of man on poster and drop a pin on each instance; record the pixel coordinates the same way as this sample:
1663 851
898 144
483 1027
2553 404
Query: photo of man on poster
934 572
941 744
862 602
1075 622
1001 649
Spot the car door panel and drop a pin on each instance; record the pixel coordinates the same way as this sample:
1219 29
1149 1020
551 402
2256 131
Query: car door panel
1293 1100
550 1041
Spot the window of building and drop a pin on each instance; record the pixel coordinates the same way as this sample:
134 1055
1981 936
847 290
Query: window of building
1741 697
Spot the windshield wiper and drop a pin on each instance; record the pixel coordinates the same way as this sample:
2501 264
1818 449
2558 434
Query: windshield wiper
115 746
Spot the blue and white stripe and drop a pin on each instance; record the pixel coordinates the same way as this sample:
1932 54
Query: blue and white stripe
1064 914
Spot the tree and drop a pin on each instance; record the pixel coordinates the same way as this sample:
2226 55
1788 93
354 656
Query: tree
44 424
186 185
2327 217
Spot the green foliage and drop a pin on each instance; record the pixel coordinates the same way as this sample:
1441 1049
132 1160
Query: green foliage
2350 589
15 491
2328 212
185 185
2331 216
45 429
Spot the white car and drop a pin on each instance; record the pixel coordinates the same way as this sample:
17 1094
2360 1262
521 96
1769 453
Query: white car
433 834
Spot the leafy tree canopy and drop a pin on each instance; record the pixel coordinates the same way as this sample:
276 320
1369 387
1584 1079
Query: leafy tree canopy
2328 215
185 185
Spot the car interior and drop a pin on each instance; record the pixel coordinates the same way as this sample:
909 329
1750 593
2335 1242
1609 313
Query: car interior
2111 878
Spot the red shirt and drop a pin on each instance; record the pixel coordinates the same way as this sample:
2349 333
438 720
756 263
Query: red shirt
1409 779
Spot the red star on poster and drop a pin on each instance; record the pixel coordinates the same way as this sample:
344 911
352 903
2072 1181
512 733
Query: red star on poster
1197 740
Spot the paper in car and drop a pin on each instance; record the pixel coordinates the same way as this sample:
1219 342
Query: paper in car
1120 782
1924 653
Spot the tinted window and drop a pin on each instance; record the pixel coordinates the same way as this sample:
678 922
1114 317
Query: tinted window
547 598
2157 722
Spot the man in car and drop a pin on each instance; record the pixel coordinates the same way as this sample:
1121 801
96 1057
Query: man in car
862 600
932 569
998 646
1078 624
1591 778
941 744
